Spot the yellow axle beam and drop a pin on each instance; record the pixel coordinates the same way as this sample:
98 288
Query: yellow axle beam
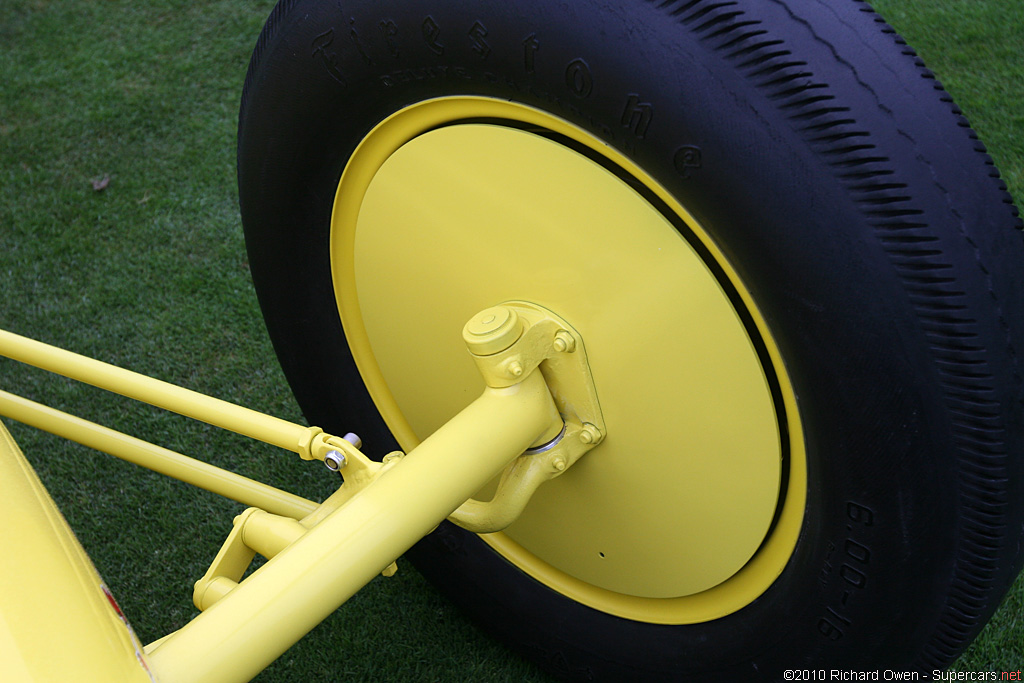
257 621
320 555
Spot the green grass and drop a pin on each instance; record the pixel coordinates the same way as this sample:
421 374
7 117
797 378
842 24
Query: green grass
151 274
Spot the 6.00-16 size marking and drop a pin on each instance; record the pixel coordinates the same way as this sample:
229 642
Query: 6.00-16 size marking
853 571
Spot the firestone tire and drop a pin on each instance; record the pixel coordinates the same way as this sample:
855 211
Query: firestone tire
855 205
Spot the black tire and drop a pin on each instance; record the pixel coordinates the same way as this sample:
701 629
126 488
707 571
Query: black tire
853 200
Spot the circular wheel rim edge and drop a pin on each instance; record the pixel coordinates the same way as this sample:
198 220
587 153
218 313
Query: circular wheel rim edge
770 558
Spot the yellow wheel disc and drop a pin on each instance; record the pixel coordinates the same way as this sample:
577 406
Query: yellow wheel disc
691 506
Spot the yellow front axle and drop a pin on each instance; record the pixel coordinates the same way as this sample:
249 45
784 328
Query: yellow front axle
537 415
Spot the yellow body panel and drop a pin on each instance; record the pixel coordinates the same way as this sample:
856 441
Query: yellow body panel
56 622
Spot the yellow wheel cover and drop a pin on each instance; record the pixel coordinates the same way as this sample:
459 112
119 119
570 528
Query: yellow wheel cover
691 506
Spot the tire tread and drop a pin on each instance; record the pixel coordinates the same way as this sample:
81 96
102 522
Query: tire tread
984 532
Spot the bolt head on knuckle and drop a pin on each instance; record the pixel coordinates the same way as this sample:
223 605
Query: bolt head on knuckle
590 434
564 342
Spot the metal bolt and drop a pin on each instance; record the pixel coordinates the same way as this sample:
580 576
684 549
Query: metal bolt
514 369
334 460
590 434
564 342
559 464
353 439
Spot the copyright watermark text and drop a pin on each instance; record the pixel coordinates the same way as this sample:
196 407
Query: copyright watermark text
891 675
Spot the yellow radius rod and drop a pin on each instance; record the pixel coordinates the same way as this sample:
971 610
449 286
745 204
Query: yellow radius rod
235 418
281 433
161 460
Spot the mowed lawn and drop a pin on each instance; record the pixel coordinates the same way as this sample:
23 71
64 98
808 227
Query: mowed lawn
120 239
